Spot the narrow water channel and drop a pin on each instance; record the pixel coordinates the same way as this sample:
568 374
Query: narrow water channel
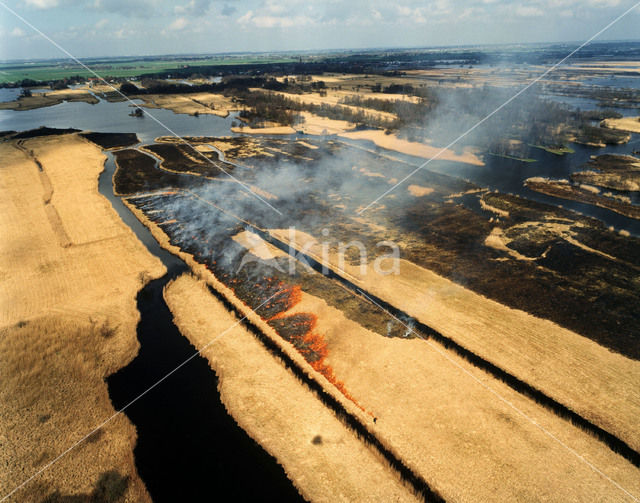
189 448
508 176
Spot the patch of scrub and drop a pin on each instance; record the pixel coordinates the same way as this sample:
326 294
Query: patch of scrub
419 191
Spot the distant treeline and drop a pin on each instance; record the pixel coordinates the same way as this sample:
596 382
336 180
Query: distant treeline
54 84
394 61
386 61
228 84
406 112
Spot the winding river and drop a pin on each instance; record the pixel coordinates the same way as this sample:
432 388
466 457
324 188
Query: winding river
188 446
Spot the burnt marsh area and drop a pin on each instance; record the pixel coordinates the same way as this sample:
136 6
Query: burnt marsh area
137 172
186 159
584 291
112 140
562 280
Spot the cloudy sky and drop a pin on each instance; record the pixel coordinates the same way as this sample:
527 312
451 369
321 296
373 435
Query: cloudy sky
143 27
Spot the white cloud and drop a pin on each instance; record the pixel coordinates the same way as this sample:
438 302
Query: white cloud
528 11
276 8
127 33
432 12
271 21
415 15
583 3
42 4
102 23
442 7
146 9
471 13
179 24
17 32
246 17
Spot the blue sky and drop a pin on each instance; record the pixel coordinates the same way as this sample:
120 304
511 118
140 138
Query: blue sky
124 27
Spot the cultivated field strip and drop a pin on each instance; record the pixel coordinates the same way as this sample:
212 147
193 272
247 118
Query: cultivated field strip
414 479
68 319
612 441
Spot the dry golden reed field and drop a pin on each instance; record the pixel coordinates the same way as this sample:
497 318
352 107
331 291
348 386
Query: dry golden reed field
485 442
322 457
70 271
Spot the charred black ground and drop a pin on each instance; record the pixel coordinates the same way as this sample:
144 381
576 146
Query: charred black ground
112 140
586 292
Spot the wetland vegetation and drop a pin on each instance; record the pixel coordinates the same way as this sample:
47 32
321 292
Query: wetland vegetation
518 263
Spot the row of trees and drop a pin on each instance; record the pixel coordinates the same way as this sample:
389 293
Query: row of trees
406 112
290 85
227 84
268 107
284 110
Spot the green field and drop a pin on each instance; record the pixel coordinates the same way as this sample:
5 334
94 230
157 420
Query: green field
505 156
123 67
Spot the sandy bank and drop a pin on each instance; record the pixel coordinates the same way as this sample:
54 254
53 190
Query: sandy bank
264 130
419 191
311 124
392 142
201 103
629 124
316 125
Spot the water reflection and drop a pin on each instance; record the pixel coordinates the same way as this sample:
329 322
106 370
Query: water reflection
114 117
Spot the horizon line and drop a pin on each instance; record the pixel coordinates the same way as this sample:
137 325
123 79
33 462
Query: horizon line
320 51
